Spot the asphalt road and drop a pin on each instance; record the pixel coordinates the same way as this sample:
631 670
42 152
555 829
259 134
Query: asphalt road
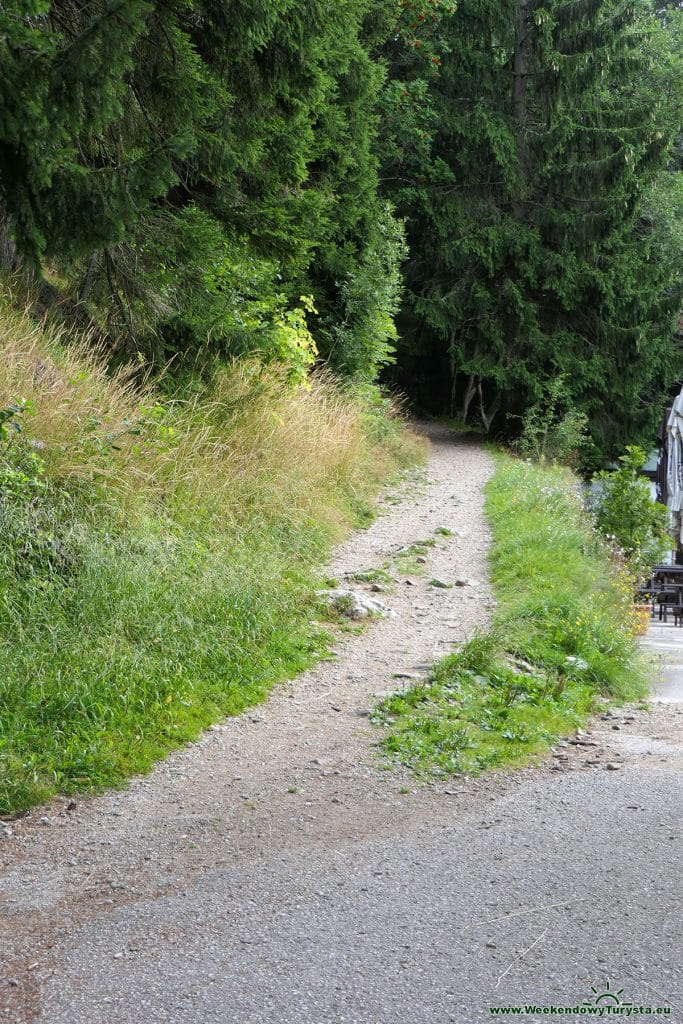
581 870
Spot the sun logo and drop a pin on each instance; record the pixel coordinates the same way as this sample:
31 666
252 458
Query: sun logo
607 996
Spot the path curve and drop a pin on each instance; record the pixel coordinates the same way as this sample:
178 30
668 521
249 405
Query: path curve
273 872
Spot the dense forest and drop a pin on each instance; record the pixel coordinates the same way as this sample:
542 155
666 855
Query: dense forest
478 202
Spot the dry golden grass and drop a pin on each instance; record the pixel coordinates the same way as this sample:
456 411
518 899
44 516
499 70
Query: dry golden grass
179 578
77 410
252 443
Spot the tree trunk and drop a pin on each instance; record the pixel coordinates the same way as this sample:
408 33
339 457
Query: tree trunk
453 370
488 415
89 277
8 250
116 294
467 397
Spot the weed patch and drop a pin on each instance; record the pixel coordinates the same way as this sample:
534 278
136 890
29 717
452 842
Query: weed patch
411 559
379 576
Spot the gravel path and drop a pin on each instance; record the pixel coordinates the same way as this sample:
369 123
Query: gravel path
274 872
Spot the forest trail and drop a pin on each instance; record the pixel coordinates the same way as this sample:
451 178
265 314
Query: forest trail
274 872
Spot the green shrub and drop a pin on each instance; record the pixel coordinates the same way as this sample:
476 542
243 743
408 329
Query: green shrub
554 430
626 514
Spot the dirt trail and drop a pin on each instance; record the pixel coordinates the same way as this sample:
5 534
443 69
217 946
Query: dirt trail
274 872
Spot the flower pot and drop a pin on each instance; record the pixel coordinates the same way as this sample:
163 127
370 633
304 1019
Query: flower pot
641 618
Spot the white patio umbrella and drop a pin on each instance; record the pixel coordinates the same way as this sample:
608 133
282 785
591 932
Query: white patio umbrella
674 473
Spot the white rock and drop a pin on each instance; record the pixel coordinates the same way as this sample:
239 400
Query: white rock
355 604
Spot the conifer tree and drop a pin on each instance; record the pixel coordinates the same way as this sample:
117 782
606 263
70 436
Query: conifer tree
531 259
63 71
260 116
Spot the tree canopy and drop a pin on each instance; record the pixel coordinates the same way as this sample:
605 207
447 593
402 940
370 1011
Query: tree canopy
488 193
535 250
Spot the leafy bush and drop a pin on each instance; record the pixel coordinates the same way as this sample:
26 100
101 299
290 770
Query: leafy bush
358 334
195 295
626 514
554 430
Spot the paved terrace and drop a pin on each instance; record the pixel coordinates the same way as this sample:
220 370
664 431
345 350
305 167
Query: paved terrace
665 641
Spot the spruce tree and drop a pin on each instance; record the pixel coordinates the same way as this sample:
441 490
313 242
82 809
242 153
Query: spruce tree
530 254
261 117
66 181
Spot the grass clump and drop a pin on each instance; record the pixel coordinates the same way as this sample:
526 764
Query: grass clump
563 634
380 576
158 554
411 559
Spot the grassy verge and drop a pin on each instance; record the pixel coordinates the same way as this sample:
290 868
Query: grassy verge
562 635
158 554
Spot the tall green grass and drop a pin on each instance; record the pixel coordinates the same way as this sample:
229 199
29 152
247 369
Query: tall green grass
562 635
158 554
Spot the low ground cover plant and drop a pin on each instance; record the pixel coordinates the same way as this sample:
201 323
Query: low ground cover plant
562 636
158 551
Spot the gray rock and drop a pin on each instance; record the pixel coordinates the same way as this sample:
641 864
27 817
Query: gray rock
354 604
